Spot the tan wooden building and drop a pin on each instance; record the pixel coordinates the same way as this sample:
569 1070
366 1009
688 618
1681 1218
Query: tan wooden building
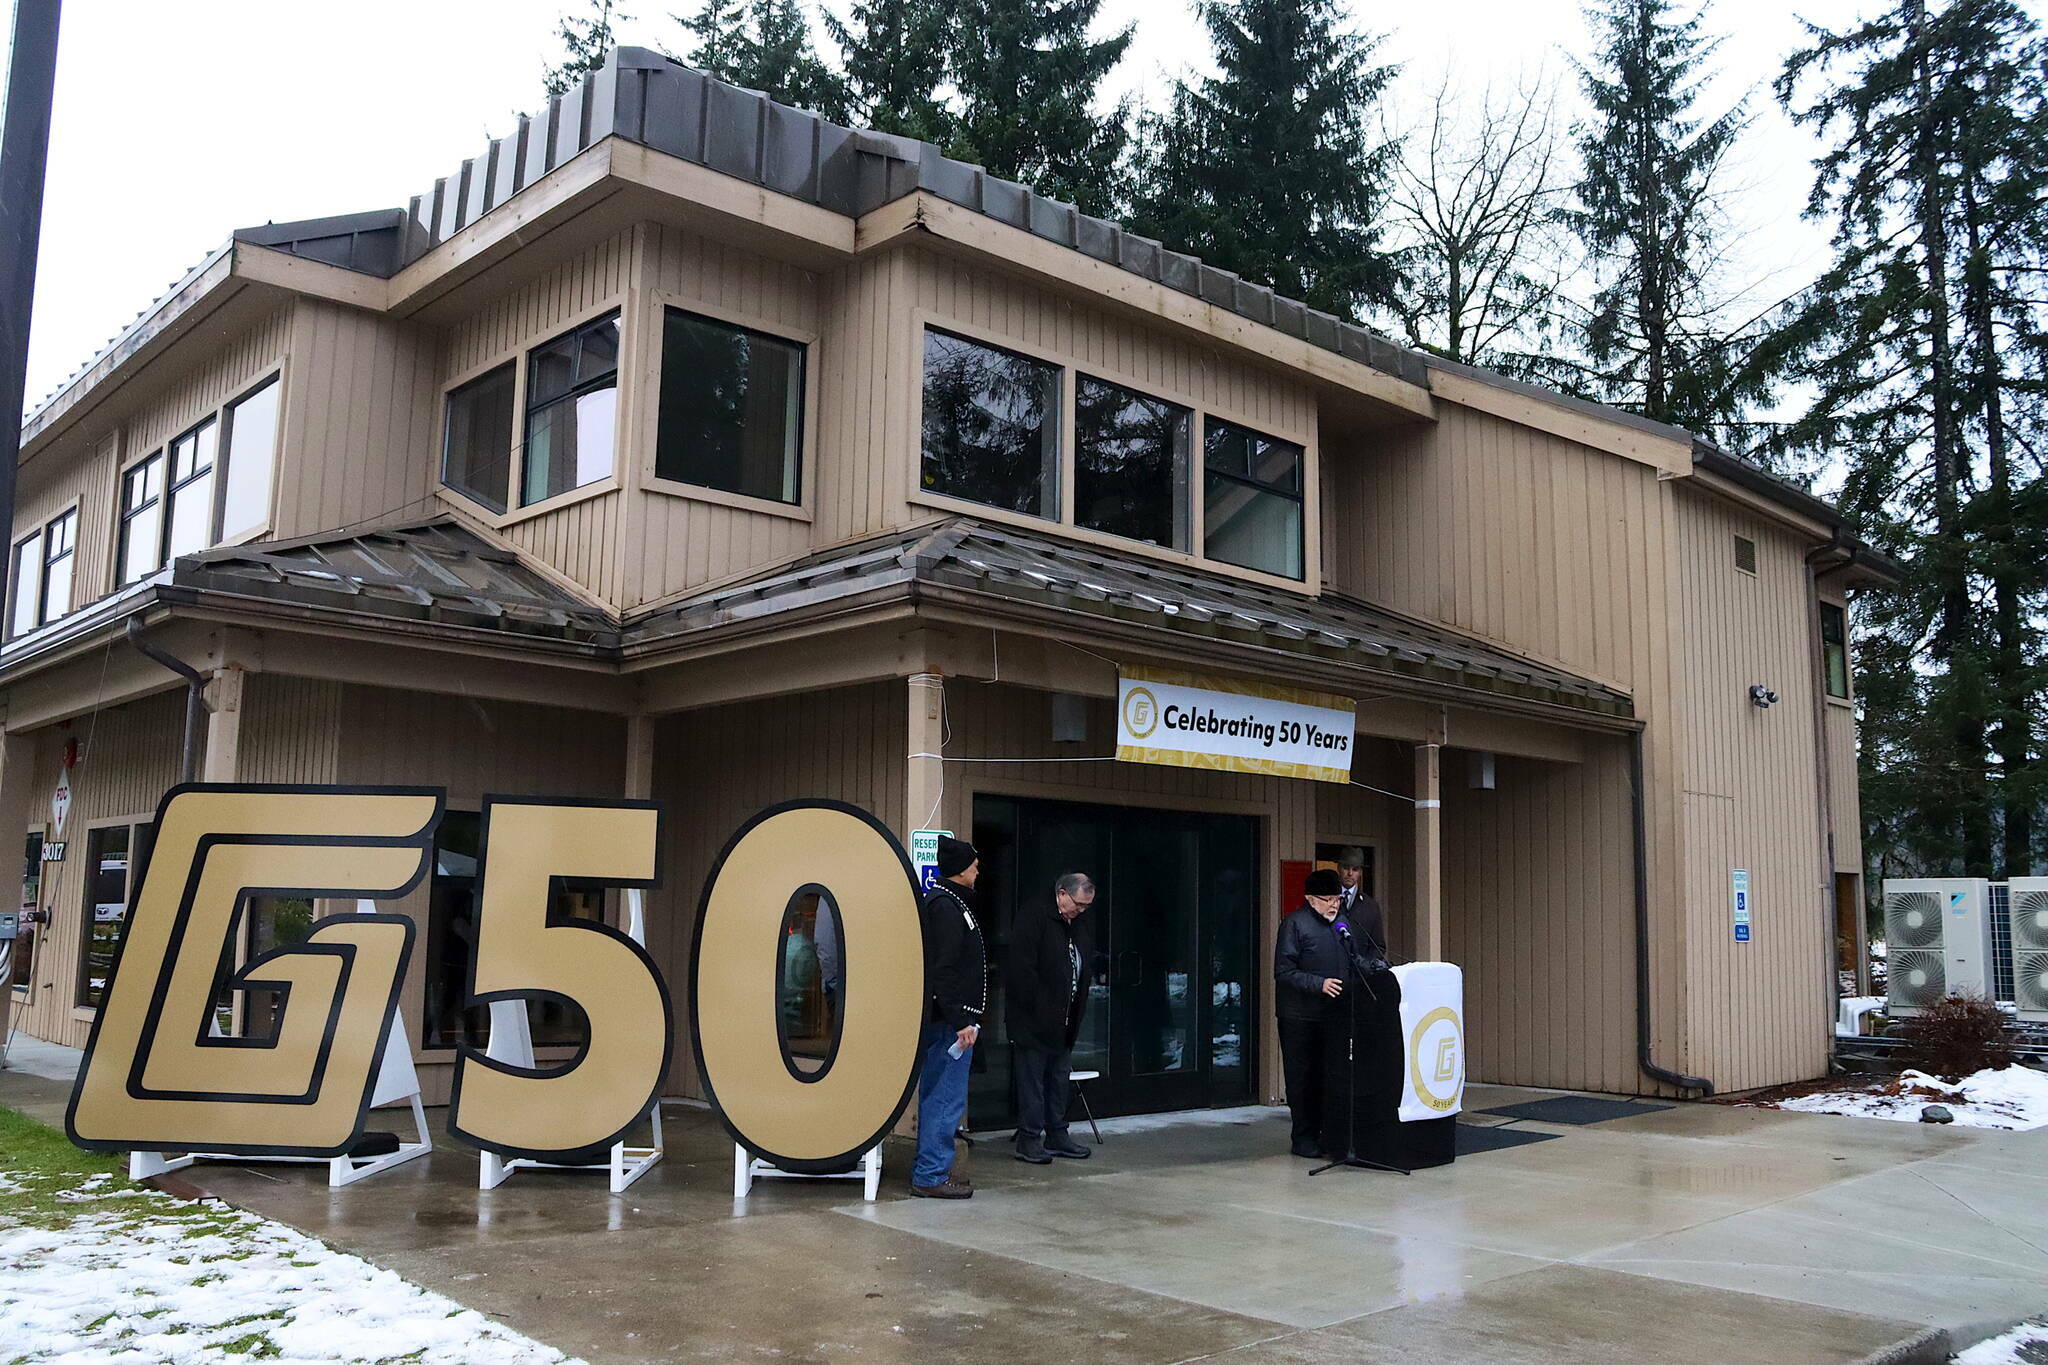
686 445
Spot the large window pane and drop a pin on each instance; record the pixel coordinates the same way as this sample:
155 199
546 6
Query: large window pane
191 517
108 854
21 959
142 519
476 455
991 426
58 543
252 458
451 938
571 411
1130 463
731 408
1252 513
274 922
27 571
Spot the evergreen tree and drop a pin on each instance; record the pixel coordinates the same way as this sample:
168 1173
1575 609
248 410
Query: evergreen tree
1924 341
1270 167
765 45
1648 213
894 54
1026 74
585 43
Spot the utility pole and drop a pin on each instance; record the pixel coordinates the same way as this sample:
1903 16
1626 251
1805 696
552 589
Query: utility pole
24 152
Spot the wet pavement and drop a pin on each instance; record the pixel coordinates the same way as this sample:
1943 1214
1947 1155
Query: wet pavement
1699 1233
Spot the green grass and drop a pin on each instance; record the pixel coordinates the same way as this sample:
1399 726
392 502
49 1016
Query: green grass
42 1162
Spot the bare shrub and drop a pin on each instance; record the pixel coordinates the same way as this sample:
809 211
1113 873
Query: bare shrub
1961 1035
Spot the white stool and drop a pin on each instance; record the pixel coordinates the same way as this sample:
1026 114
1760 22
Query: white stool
1074 1078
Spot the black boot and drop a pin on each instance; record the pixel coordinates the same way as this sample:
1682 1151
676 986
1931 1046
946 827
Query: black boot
1062 1144
1031 1148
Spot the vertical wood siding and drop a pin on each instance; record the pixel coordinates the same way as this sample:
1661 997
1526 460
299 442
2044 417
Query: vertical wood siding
1759 1010
361 416
291 730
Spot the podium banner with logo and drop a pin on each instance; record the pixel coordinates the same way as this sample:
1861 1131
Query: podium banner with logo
1188 721
1433 1030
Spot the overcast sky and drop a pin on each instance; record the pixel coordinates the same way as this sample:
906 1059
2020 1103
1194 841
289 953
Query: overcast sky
178 121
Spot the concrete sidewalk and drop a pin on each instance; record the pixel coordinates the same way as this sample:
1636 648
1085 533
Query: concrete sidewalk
1698 1234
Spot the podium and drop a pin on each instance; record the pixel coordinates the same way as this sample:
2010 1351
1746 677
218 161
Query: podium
1394 1069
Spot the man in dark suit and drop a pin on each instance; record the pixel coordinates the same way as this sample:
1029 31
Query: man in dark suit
1357 906
1311 967
1048 993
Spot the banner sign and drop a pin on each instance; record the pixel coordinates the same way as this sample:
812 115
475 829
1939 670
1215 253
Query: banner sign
1188 721
1433 1025
157 1077
924 855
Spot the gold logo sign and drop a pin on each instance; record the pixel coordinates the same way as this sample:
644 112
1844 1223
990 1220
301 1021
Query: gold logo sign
1141 713
1439 1037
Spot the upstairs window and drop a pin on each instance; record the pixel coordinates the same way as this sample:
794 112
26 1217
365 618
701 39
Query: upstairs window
991 426
1834 649
572 389
732 403
476 451
190 515
1130 463
1252 499
42 569
251 459
142 520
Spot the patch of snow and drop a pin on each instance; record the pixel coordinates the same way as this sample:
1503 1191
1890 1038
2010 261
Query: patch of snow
202 1283
2014 1097
2005 1349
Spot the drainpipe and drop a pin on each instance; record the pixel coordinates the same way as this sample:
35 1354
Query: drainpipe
195 696
1642 841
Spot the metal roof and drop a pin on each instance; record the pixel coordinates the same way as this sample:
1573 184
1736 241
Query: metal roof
998 561
437 571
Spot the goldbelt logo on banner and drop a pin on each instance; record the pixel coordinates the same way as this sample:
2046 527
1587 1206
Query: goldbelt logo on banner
158 1078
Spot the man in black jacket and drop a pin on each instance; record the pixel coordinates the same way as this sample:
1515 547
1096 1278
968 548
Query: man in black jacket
1310 969
956 975
1048 992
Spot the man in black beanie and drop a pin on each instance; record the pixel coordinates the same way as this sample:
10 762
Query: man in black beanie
1310 967
956 976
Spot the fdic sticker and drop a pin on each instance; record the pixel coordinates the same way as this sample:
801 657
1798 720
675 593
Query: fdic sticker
156 1079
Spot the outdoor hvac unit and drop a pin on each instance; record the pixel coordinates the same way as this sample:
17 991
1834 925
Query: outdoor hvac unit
2030 948
1937 937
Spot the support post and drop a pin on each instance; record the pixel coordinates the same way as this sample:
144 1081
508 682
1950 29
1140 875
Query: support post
17 811
224 724
925 782
639 758
1429 855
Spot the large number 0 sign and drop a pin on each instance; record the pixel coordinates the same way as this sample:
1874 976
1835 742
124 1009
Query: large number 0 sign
157 1077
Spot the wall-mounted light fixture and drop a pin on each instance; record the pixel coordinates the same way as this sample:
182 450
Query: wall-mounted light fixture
1069 718
1761 696
1479 770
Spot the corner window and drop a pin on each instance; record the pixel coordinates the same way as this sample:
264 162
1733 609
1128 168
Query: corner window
1252 501
1834 649
111 855
251 461
42 572
1130 463
451 939
572 389
731 408
476 452
142 520
991 426
190 517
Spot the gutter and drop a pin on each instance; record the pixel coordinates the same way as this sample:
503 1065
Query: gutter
1642 865
195 696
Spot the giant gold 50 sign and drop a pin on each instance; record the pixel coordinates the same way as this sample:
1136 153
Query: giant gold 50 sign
155 1080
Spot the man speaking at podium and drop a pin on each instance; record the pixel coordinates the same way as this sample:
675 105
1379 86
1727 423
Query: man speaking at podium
1311 972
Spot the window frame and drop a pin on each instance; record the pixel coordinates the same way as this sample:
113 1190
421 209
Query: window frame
1847 696
29 934
154 511
441 484
223 463
648 415
140 831
911 355
524 413
1063 432
518 354
1299 496
14 629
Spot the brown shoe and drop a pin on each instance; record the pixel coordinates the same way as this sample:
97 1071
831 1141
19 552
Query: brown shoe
945 1189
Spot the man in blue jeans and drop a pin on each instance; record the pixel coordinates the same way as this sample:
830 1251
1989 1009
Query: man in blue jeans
956 975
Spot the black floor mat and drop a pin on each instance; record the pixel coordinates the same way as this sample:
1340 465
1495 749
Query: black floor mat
1472 1139
1574 1109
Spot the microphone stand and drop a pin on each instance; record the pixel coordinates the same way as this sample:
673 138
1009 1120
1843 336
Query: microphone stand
1351 1157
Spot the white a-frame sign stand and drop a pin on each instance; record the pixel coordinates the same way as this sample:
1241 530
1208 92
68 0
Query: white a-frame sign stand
396 1080
512 1043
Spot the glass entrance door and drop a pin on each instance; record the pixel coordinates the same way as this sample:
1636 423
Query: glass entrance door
1170 981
